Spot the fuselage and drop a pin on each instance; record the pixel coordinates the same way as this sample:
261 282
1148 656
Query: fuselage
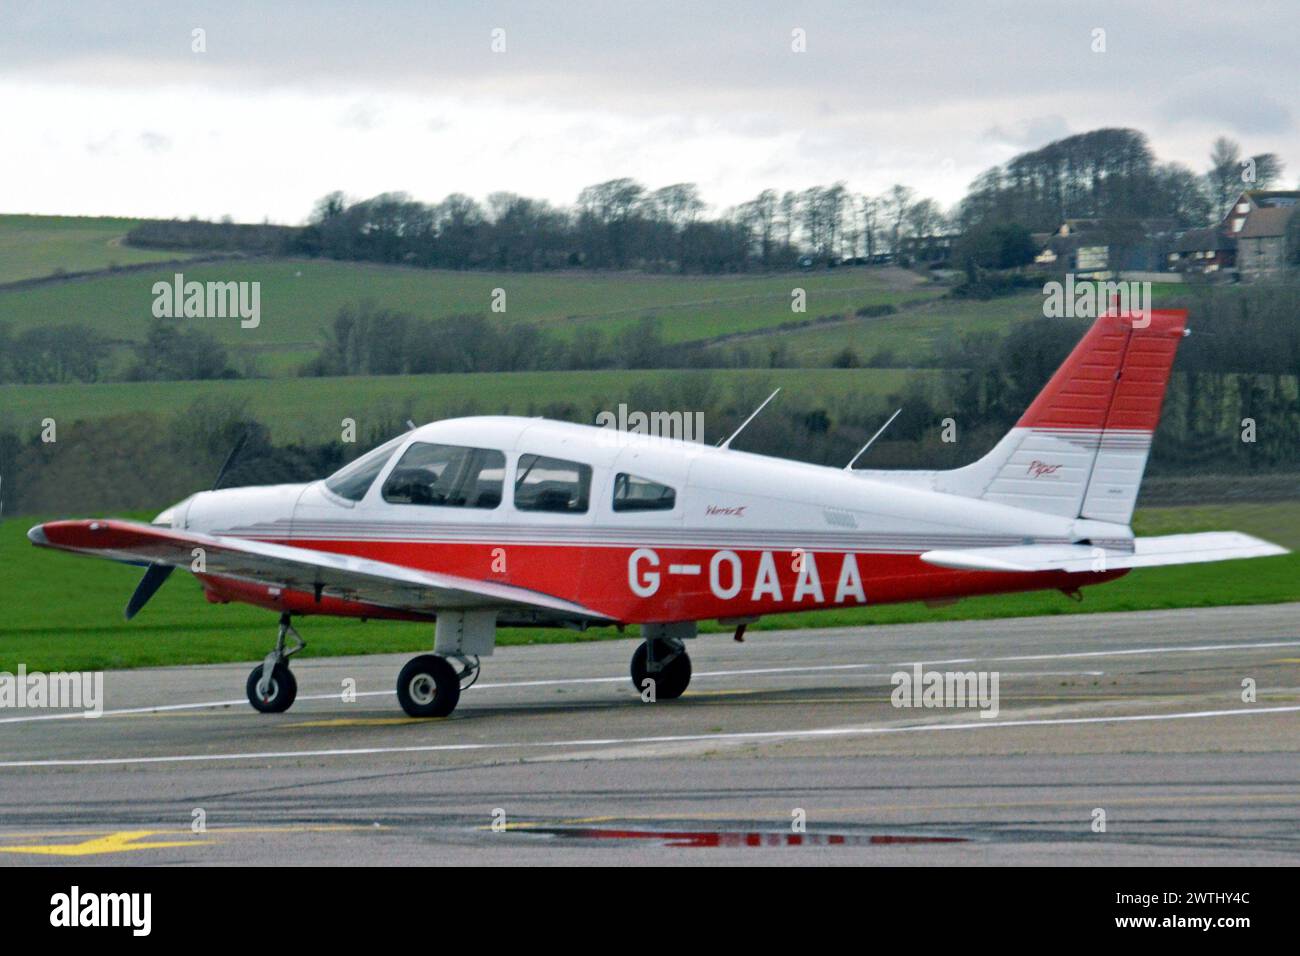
638 528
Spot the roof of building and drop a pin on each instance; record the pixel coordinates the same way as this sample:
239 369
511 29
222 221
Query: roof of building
1268 197
1266 222
1202 240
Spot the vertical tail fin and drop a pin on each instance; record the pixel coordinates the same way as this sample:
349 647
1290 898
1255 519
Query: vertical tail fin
1081 448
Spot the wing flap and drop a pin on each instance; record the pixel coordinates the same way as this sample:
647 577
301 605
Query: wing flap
1147 552
295 569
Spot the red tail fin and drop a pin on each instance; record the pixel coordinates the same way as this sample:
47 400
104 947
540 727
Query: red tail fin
1080 449
1114 379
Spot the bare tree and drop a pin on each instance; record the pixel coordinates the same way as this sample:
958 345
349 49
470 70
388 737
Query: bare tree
1224 177
870 224
896 203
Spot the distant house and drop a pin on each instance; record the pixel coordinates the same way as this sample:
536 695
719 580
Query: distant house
933 250
1258 223
1204 251
1097 246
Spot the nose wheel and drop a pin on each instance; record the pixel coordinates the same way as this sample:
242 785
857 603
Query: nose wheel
271 686
274 696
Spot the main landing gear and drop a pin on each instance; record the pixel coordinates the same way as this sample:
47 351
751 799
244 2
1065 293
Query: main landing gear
271 686
430 686
661 660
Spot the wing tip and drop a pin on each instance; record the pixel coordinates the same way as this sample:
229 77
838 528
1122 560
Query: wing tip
37 536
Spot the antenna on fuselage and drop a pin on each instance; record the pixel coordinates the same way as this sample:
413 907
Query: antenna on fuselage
753 415
870 441
410 425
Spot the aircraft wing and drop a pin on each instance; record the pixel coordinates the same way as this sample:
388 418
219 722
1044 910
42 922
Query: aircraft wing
297 569
1147 553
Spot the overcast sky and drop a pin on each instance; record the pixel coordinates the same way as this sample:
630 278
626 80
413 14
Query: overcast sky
106 108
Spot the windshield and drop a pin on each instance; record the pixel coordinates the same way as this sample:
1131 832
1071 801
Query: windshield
354 479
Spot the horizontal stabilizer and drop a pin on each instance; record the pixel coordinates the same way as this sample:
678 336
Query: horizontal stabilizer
1146 553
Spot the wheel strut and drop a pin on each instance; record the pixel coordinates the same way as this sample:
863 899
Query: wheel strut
279 654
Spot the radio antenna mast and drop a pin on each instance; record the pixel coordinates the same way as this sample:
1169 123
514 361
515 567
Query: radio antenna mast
862 451
753 415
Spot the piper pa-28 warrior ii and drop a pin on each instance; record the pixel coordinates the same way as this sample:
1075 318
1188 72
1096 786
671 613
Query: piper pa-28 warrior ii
483 522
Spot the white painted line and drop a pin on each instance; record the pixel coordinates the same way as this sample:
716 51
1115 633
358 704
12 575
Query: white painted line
683 569
740 672
822 732
1117 653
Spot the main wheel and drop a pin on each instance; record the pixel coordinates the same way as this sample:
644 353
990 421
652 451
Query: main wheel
670 681
428 686
279 695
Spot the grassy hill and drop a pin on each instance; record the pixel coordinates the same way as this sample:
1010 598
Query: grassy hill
35 246
310 409
300 298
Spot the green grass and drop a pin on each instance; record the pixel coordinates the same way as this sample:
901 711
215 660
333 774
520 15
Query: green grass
32 247
299 300
310 409
63 612
915 334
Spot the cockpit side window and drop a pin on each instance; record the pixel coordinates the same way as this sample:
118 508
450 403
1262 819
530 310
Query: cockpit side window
354 479
447 476
552 484
641 494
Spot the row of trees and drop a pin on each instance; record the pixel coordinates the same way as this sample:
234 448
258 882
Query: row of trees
53 354
1112 174
1106 174
619 224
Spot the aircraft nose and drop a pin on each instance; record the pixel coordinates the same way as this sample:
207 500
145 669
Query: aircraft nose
221 512
173 516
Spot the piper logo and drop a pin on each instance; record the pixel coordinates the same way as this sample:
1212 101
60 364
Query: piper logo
1039 469
74 909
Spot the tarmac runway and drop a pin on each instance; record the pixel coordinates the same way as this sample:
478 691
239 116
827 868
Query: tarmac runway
786 749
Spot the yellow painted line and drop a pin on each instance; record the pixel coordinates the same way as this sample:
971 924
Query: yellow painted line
524 825
360 722
120 842
213 831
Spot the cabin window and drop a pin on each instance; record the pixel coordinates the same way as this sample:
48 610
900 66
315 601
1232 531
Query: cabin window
552 484
641 494
354 479
447 476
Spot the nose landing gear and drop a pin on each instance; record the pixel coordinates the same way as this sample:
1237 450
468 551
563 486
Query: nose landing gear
271 686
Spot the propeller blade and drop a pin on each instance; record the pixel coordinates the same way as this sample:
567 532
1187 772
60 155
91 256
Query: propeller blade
153 579
230 460
156 574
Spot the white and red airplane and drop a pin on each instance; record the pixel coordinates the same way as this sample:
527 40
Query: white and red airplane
488 521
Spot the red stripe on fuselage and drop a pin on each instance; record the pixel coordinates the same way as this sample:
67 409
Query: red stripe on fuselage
598 578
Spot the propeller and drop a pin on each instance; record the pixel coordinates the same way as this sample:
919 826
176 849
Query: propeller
156 574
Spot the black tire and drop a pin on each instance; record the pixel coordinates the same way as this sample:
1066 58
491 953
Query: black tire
671 681
284 688
428 686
